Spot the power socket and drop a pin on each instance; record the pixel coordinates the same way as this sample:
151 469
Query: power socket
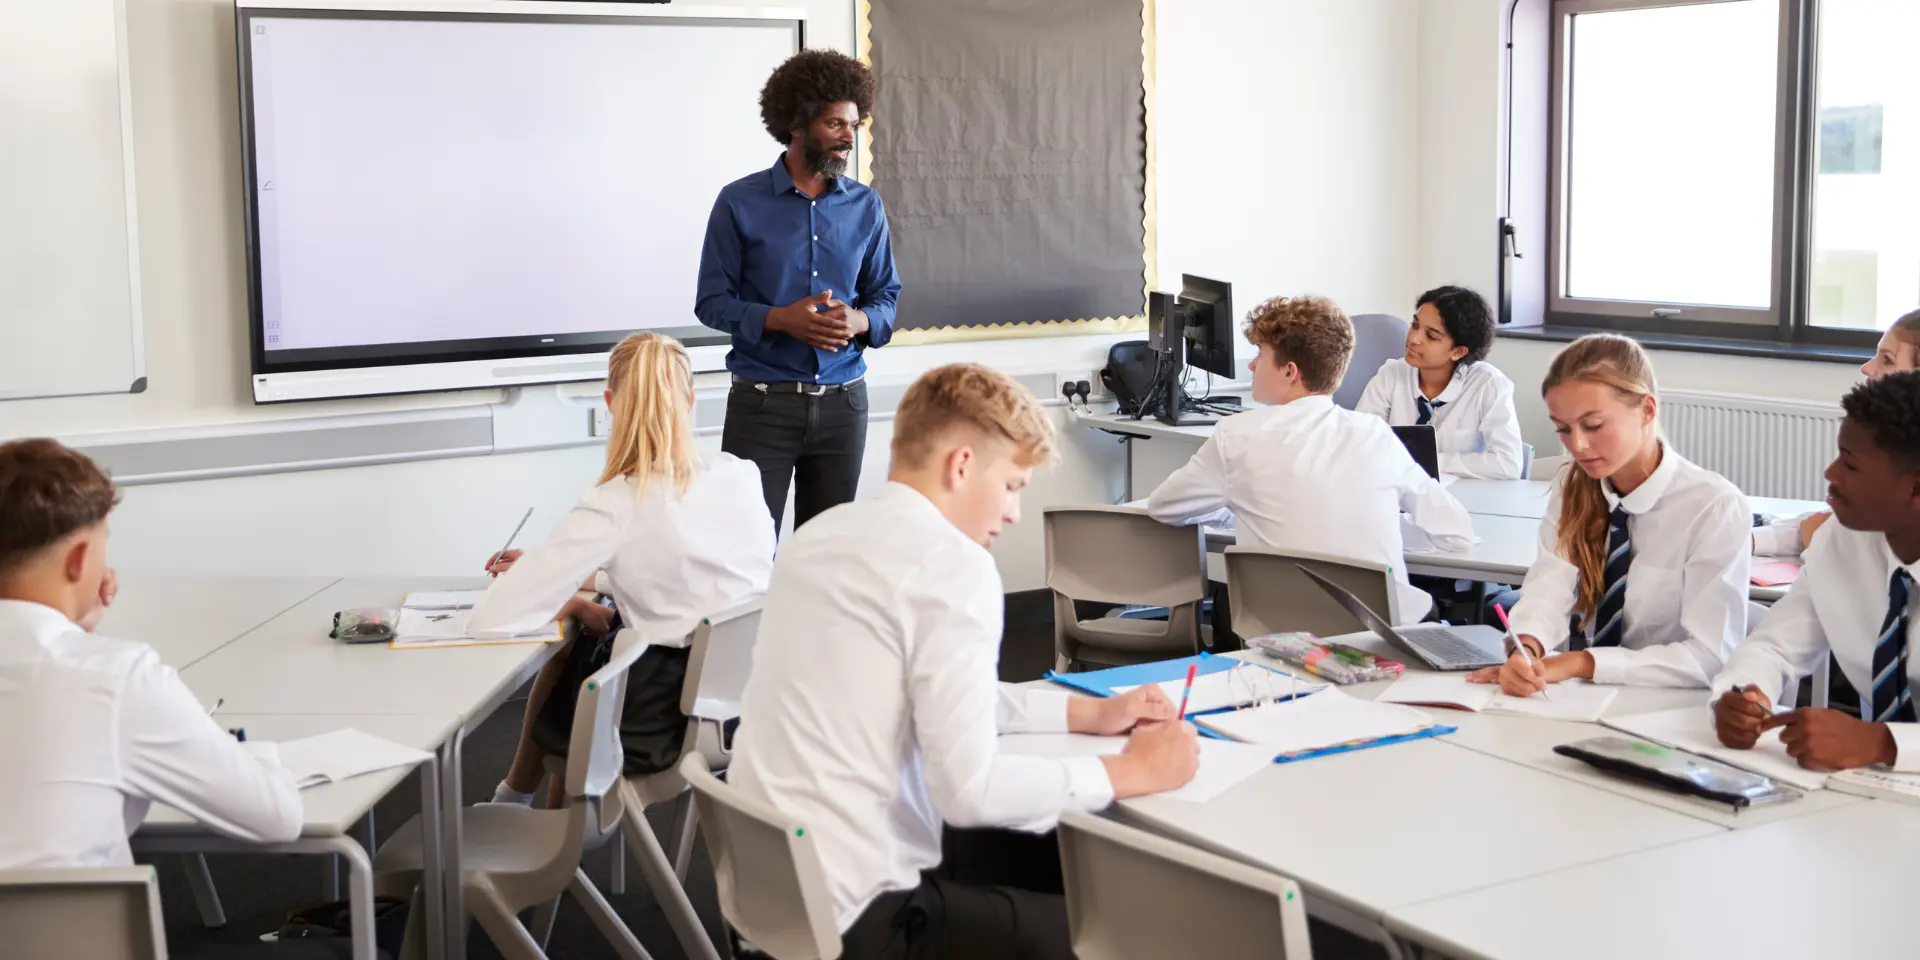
600 424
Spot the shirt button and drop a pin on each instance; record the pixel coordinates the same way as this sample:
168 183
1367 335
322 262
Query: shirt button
816 273
813 203
816 238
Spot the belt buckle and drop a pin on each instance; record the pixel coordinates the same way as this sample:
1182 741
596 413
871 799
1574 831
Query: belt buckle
815 389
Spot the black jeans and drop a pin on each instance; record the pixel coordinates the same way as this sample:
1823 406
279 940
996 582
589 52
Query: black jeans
996 894
814 442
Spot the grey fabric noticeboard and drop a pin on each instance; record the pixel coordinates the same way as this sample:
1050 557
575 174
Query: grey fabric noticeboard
1009 143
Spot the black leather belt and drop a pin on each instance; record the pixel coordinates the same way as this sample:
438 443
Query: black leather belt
795 386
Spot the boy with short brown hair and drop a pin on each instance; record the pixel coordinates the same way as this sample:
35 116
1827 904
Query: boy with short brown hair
99 728
874 709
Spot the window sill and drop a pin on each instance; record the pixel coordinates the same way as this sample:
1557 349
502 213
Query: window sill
1769 349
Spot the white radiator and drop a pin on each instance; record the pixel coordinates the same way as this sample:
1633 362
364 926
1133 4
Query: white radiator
1768 448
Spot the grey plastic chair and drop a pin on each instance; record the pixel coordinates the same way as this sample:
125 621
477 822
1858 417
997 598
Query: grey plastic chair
1377 338
1526 461
1132 895
1270 594
772 888
513 857
1122 555
100 913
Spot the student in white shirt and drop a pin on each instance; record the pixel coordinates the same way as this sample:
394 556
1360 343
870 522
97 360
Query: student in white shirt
1304 475
98 729
1445 380
1899 349
671 534
873 711
1649 549
1854 599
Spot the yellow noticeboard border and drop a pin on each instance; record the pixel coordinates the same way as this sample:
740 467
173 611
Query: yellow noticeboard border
1150 265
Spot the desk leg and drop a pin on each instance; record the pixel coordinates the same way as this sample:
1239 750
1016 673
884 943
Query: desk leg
431 882
205 895
452 891
1128 441
360 870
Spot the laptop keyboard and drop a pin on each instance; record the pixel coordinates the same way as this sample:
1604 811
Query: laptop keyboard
1444 645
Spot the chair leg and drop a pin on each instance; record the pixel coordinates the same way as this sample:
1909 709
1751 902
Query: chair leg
669 892
686 821
602 915
617 871
503 928
543 918
200 881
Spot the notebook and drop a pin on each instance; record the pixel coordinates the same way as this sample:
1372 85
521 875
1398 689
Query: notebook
1232 688
1773 573
1691 729
1328 720
343 754
425 628
1104 683
1223 763
1574 700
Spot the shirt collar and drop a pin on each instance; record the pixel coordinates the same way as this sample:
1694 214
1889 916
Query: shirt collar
783 181
40 621
1644 496
1309 403
1455 384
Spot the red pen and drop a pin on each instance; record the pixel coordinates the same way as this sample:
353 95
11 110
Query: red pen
1192 668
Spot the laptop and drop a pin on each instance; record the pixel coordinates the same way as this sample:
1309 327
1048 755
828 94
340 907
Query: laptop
1435 644
1420 442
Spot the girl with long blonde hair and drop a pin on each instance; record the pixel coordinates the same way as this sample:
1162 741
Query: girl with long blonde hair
670 534
1646 549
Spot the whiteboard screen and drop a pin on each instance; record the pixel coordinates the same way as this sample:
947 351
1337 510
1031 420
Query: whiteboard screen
450 187
69 273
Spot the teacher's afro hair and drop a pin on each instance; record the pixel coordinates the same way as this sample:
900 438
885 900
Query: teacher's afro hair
807 84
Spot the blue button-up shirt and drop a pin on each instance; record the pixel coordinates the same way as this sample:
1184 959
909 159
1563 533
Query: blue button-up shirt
770 245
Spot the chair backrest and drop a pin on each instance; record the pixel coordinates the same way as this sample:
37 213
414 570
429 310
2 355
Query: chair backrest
1122 555
771 885
1377 338
101 913
1135 896
722 656
1269 594
1526 461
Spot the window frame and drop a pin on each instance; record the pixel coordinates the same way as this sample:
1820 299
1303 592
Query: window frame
1796 97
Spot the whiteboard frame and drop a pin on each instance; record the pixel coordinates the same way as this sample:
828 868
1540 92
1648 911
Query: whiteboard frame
123 69
363 380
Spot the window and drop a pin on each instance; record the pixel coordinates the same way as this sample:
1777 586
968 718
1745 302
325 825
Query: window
1734 168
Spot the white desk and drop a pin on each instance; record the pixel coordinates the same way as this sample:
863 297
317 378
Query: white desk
1837 883
329 811
1374 830
186 618
1502 498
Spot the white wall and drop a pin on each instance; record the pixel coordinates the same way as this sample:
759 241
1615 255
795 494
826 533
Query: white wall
1288 164
1287 135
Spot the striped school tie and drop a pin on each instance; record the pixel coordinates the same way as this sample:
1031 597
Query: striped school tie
1610 615
1892 700
1427 407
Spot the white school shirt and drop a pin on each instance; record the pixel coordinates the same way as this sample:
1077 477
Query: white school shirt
1687 589
97 730
1477 431
1838 604
1308 476
667 560
1781 538
874 711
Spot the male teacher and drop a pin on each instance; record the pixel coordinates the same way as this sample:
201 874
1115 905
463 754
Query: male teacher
798 270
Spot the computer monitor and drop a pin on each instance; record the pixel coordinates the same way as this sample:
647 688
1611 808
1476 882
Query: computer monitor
1207 307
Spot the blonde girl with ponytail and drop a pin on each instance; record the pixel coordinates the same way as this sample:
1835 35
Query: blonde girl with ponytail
671 534
1648 551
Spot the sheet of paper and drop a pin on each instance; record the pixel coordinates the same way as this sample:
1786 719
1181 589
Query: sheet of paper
1223 763
1326 719
1691 729
441 599
1234 688
345 753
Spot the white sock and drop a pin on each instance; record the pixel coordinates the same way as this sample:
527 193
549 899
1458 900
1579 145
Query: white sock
506 794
